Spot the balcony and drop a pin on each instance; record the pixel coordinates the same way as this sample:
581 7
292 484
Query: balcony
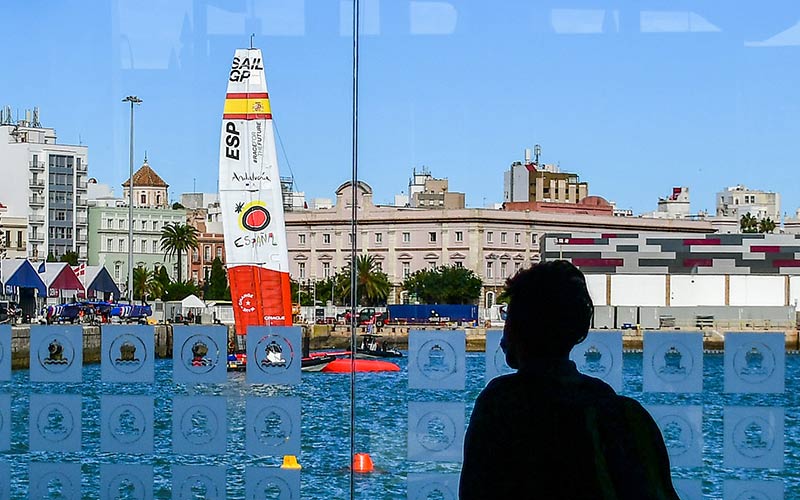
81 220
36 201
36 219
36 183
81 186
36 166
83 167
36 237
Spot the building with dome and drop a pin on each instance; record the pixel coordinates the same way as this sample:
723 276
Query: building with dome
108 227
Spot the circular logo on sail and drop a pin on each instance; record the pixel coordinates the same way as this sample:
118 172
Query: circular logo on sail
253 216
247 303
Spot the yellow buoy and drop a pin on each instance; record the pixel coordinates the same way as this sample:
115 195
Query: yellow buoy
290 462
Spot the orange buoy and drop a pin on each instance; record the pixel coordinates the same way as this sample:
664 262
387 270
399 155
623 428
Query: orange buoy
362 462
290 462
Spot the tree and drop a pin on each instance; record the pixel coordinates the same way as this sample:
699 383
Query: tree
177 238
70 257
179 290
766 225
372 284
217 282
146 284
51 258
444 285
748 223
163 277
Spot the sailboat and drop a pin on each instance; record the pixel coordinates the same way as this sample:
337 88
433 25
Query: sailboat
251 201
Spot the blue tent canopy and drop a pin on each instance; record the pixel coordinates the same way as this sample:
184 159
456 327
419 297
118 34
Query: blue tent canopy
100 280
20 273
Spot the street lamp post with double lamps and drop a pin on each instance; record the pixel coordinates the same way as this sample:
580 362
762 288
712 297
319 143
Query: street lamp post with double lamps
133 100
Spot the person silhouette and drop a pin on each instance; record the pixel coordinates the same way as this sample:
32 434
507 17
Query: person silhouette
549 431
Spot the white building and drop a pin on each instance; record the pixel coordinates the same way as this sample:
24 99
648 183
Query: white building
674 206
46 183
12 235
738 200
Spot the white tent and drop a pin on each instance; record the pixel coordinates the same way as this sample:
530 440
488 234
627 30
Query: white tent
192 302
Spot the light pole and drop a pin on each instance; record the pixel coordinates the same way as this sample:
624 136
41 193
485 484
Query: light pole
133 100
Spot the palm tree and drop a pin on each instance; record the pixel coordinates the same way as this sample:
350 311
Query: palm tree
748 223
146 284
372 284
177 238
766 225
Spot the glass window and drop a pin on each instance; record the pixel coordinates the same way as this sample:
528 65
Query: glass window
301 239
301 270
326 239
207 252
503 237
326 269
489 236
516 238
458 264
406 237
459 236
155 246
219 251
503 269
406 269
432 236
379 238
121 245
490 270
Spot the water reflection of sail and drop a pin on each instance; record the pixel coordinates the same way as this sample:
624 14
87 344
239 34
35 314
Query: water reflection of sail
251 200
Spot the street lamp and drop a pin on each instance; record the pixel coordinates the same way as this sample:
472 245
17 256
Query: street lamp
133 100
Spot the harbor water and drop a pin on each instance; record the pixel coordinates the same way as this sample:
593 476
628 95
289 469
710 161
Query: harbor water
382 401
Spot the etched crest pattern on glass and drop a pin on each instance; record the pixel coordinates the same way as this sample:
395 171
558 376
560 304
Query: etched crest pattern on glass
600 356
198 481
54 480
55 422
273 426
127 353
126 481
435 431
753 437
56 353
272 482
199 354
274 355
436 359
673 362
199 425
126 424
755 362
495 357
682 430
421 486
733 489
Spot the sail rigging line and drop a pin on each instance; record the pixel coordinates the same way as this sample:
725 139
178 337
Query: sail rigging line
283 150
353 246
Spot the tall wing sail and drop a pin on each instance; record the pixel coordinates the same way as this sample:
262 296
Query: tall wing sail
251 200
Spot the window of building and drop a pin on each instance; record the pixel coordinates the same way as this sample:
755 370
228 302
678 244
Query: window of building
143 198
109 223
379 266
121 223
326 270
301 270
117 268
503 269
489 236
350 238
516 238
155 246
533 239
517 266
406 269
219 251
406 237
19 239
158 199
404 297
301 239
155 225
207 253
459 236
432 236
503 237
195 255
7 242
489 299
490 270
378 238
458 264
144 224
144 246
326 239
121 246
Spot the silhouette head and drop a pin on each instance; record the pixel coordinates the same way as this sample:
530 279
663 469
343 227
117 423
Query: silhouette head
549 312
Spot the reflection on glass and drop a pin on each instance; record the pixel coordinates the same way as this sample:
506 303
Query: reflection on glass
51 480
198 481
753 437
272 482
273 355
273 426
753 490
199 424
55 422
56 353
681 427
126 424
199 354
600 356
432 486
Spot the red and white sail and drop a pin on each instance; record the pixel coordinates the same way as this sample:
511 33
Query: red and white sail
251 200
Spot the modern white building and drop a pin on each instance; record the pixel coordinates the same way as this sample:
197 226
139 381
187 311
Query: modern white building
12 235
46 183
736 201
674 206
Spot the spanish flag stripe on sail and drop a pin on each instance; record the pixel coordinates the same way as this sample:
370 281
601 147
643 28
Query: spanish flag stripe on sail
247 106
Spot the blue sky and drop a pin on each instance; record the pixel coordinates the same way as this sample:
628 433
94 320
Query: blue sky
635 96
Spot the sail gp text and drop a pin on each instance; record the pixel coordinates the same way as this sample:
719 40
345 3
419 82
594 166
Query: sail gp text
241 68
257 240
